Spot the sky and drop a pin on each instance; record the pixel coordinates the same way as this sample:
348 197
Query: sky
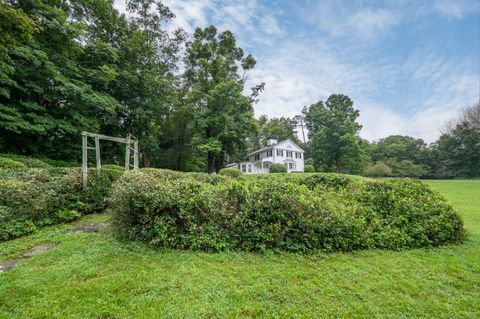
408 65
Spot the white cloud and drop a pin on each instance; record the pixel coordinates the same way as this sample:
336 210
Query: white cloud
338 20
369 23
455 9
300 70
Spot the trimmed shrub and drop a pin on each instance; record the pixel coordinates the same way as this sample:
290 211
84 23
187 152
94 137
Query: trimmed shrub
308 168
59 163
406 213
278 168
335 213
34 198
30 162
93 198
230 172
379 169
8 163
114 167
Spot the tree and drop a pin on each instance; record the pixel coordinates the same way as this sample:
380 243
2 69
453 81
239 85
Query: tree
280 128
407 156
332 131
460 150
86 68
457 151
469 115
379 169
399 148
223 116
406 168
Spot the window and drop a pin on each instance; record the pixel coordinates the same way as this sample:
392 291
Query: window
257 157
298 155
249 168
289 154
279 152
269 153
244 168
291 166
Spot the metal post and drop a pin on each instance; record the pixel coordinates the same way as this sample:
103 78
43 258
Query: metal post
84 160
135 155
127 154
97 154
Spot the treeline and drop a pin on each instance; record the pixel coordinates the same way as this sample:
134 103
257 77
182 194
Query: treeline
80 65
72 66
334 145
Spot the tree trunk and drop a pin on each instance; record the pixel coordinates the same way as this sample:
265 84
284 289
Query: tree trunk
219 161
211 162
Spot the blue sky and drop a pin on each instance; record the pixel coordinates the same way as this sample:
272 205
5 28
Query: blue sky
408 65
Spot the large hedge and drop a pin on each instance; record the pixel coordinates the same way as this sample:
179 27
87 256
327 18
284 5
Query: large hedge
299 213
33 198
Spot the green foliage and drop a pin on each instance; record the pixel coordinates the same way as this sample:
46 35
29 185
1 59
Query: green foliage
30 162
459 150
332 131
300 213
59 163
411 214
230 172
34 198
407 168
282 128
277 168
8 163
308 168
153 279
93 198
222 116
113 167
321 180
405 155
379 169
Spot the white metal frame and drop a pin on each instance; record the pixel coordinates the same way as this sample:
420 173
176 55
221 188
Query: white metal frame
97 137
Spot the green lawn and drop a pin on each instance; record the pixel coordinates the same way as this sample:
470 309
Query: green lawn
94 276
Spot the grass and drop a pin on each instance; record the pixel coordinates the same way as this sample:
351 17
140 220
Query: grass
94 276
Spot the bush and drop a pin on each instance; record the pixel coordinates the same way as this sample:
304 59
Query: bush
33 198
230 172
93 198
30 162
59 163
8 163
379 169
281 214
309 168
114 167
406 213
36 198
278 168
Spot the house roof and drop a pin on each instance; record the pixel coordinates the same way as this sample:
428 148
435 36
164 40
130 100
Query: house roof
273 146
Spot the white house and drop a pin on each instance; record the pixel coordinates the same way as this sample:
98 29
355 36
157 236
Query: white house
285 152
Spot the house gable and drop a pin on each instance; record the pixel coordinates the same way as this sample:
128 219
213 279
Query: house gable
289 145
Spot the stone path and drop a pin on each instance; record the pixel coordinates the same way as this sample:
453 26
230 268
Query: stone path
9 264
91 228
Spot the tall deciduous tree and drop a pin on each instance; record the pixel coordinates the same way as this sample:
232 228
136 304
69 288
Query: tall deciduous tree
332 132
215 74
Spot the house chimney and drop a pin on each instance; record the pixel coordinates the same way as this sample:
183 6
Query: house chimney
271 141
